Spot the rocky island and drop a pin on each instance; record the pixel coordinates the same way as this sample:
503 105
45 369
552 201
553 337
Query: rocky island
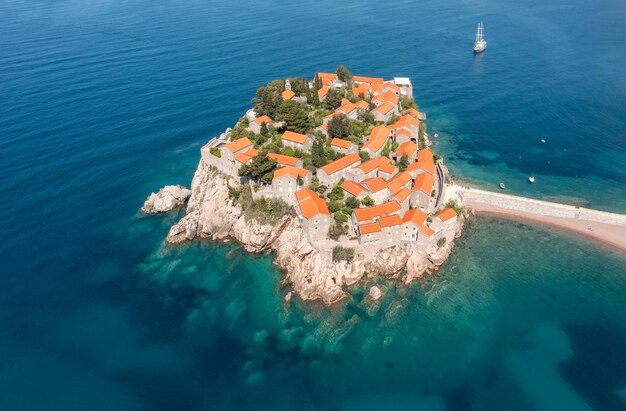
333 175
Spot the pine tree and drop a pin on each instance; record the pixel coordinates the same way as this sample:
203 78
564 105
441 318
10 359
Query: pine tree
317 82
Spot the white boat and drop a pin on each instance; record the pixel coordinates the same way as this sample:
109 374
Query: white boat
543 141
480 44
502 186
531 179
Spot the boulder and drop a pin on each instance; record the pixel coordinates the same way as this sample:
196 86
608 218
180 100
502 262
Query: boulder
375 293
167 199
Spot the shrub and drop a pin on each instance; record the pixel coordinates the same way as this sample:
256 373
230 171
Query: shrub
453 204
335 205
441 242
340 217
336 193
337 230
353 202
216 152
368 201
342 254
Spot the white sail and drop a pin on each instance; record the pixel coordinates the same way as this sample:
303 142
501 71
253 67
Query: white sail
480 44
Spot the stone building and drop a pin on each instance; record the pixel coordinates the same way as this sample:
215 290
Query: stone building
330 174
313 214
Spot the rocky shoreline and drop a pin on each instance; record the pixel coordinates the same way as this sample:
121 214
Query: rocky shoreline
312 273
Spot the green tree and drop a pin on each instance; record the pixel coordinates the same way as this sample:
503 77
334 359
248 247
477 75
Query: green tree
339 126
368 201
344 74
318 156
334 206
364 155
317 83
421 140
353 202
333 99
336 193
260 167
268 99
403 162
294 115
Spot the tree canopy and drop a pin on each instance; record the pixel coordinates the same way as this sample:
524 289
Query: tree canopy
318 156
403 162
339 126
260 167
333 99
268 99
344 74
295 116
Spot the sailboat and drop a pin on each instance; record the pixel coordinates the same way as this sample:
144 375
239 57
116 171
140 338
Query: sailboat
480 44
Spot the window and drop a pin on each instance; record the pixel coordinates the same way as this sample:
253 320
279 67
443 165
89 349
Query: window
317 228
389 234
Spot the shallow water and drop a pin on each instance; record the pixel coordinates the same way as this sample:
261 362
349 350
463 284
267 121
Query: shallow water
103 102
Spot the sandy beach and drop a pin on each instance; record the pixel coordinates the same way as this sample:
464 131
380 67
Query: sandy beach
610 234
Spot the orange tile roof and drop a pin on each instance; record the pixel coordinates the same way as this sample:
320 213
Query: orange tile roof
415 216
400 180
327 78
252 152
377 139
243 158
402 194
378 99
352 187
427 231
385 108
405 121
323 91
362 104
342 163
376 89
238 145
369 228
391 97
375 184
404 131
295 137
311 204
361 90
373 164
425 161
283 160
390 221
388 208
288 94
263 119
408 147
392 86
290 171
387 168
369 80
338 142
424 182
347 107
446 214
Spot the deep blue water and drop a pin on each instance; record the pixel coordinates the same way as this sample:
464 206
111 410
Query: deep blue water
103 102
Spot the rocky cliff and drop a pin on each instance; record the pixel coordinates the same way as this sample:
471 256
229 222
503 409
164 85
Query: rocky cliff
311 272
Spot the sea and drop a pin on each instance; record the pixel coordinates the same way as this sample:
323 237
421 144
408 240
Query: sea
105 101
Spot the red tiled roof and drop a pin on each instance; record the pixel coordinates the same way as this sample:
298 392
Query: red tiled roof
342 163
295 137
338 142
362 104
391 97
347 106
385 108
244 157
427 231
238 145
391 86
283 160
424 182
369 228
402 194
375 184
425 161
323 91
288 94
369 80
390 221
352 187
290 171
400 180
415 216
446 214
263 119
327 78
365 214
377 139
373 164
361 90
310 203
408 147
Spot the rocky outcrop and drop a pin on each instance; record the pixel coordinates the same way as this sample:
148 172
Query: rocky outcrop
311 272
167 199
375 293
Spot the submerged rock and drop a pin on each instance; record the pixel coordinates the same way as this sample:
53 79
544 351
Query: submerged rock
375 293
167 199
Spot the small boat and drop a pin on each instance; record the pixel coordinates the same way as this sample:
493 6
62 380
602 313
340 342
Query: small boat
543 141
480 44
531 179
502 186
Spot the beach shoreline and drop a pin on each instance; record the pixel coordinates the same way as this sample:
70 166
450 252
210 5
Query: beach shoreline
611 235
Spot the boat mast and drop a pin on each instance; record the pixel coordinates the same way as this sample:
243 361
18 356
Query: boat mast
477 34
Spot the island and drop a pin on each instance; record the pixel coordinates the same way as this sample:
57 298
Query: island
336 177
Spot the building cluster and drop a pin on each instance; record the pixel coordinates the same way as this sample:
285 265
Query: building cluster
398 191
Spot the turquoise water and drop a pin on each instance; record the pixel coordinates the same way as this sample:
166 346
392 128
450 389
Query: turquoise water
103 102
